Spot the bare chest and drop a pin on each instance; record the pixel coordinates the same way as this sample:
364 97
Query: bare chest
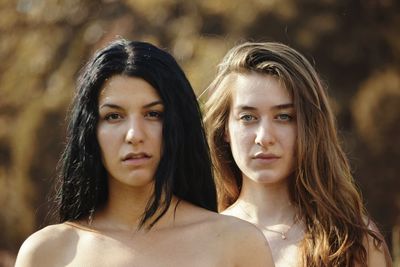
160 249
285 252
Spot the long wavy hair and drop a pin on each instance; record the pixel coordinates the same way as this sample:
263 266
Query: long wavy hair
185 166
322 187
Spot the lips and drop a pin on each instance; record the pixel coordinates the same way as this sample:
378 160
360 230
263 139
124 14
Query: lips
136 158
261 155
266 157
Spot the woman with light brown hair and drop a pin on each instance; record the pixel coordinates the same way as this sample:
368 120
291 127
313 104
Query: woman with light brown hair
279 164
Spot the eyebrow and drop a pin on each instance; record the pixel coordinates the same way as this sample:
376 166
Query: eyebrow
152 104
283 106
277 107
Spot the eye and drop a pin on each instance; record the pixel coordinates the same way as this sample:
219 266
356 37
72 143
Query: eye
284 117
154 114
112 117
247 118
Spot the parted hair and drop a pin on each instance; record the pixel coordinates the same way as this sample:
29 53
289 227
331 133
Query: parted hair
322 187
185 166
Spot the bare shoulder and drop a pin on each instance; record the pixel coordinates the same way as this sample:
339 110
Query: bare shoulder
237 222
44 245
378 254
245 244
229 227
232 211
240 241
238 229
248 244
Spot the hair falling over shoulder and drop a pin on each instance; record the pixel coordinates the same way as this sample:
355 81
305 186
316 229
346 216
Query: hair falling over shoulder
83 185
322 187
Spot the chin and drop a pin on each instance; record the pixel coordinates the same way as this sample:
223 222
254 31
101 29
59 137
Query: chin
138 179
140 183
269 179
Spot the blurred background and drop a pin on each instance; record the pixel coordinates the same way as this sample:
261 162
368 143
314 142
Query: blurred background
354 45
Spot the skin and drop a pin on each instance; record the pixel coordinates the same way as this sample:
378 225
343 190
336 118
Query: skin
130 130
131 122
262 134
261 129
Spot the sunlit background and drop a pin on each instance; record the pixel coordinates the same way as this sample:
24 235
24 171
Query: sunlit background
354 45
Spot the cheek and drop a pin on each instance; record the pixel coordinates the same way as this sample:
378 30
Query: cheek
289 140
293 138
100 138
103 149
156 132
106 140
239 139
240 134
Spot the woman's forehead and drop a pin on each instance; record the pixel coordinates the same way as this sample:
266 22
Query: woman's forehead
258 89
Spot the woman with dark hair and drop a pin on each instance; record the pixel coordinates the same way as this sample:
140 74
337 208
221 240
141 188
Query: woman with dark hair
136 181
279 164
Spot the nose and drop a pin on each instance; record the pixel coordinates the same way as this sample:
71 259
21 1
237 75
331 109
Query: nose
135 133
265 134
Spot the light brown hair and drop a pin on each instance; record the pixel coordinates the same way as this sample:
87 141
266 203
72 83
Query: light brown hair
322 187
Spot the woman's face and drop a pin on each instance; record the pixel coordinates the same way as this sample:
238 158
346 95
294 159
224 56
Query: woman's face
261 128
130 130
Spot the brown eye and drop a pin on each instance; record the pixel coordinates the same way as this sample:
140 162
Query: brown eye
112 117
154 114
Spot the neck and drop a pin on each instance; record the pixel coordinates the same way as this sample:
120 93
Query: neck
125 207
266 204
